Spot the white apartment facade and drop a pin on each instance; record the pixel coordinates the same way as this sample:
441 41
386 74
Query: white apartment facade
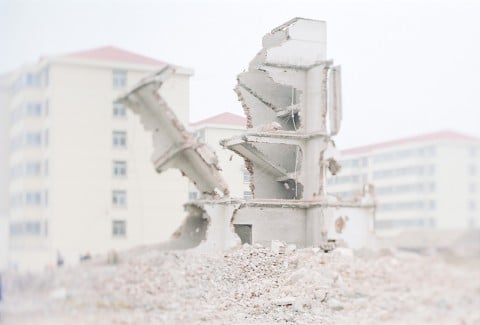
4 116
429 182
211 131
80 178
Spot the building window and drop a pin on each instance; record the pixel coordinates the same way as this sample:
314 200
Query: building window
364 161
33 168
16 200
247 195
25 228
246 176
33 228
119 228
472 206
473 152
119 79
401 206
430 151
33 139
33 198
16 171
344 179
119 168
472 170
192 195
119 199
404 171
119 111
405 223
119 139
33 109
472 188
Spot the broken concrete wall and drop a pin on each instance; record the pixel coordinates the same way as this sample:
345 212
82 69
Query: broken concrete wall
291 97
208 226
287 92
295 224
274 223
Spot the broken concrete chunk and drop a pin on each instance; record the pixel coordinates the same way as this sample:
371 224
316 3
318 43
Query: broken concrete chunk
334 304
278 247
285 301
290 248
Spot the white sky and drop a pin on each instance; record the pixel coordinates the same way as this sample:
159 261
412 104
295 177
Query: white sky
409 67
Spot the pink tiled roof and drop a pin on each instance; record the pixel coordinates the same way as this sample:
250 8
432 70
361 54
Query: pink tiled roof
441 135
223 118
111 53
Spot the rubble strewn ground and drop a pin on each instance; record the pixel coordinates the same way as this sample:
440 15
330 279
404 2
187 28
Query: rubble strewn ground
251 285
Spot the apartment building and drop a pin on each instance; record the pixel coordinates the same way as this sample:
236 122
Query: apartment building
430 181
80 178
3 176
211 131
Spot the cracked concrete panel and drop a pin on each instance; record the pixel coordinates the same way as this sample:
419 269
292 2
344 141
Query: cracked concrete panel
299 42
192 231
174 146
351 225
274 223
220 234
259 84
257 117
207 228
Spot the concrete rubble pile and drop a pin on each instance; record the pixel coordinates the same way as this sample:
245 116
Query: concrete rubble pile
251 284
291 95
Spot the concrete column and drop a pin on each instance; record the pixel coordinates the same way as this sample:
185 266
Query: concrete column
315 121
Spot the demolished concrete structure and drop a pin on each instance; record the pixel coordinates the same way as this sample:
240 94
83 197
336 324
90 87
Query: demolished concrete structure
291 96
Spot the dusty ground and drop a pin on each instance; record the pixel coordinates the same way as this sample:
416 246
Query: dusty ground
251 285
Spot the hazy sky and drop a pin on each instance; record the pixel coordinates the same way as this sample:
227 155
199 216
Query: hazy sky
408 67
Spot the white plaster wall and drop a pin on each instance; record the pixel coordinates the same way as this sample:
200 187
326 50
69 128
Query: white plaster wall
358 229
452 191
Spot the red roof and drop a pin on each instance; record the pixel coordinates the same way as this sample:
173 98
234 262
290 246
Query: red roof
223 118
111 53
441 135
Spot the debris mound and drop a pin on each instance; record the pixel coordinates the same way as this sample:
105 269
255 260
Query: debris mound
250 285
